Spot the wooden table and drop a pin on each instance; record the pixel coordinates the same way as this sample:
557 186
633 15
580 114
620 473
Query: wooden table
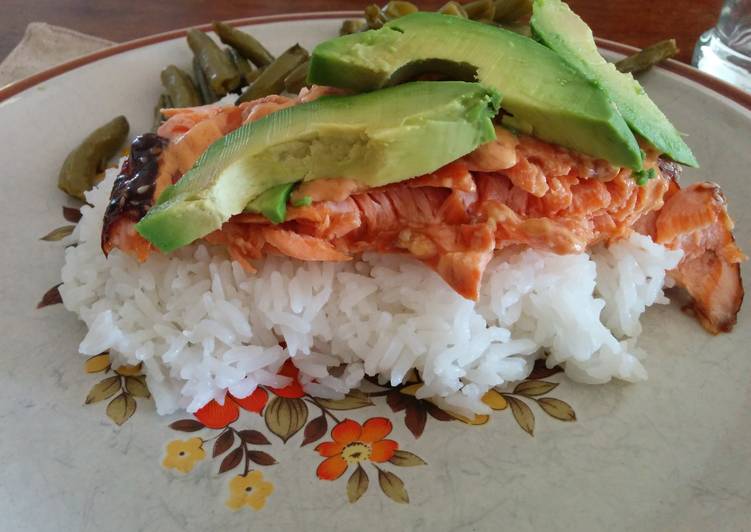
635 22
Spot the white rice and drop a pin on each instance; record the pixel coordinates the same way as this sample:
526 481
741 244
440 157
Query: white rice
201 325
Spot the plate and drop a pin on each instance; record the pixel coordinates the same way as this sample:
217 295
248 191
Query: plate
669 454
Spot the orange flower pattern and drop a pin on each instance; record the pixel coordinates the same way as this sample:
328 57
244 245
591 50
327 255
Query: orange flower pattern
354 443
217 416
365 447
294 389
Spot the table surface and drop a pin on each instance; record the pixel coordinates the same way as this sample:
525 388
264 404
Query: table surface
635 22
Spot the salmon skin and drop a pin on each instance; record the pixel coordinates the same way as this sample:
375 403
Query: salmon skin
132 194
514 192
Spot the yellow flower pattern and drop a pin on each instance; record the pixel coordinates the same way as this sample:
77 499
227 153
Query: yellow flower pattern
128 370
493 399
183 455
249 490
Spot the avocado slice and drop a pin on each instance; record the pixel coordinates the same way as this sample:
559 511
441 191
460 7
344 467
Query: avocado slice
272 203
565 33
375 138
546 97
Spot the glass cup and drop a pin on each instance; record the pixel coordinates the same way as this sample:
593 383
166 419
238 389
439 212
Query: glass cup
725 50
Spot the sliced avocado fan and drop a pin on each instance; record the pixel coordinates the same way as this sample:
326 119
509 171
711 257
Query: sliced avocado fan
545 96
375 138
559 28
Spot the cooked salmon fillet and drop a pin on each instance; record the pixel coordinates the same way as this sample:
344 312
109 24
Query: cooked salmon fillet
515 191
696 221
453 231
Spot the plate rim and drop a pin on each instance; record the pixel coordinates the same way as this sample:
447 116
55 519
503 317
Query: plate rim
206 488
684 70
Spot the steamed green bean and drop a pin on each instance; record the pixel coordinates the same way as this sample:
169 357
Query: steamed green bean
220 72
648 57
453 8
162 103
83 167
374 17
180 88
207 95
483 10
271 81
244 43
352 25
510 11
398 8
297 79
241 64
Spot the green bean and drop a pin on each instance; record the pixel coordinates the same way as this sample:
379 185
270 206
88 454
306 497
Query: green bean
398 8
352 25
271 81
518 27
453 8
374 17
207 95
297 79
508 11
83 166
648 57
241 64
254 75
221 74
480 10
244 43
180 87
158 118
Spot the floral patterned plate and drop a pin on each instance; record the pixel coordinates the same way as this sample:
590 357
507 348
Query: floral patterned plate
83 449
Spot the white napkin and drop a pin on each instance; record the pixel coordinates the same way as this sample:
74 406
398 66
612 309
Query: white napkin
44 46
